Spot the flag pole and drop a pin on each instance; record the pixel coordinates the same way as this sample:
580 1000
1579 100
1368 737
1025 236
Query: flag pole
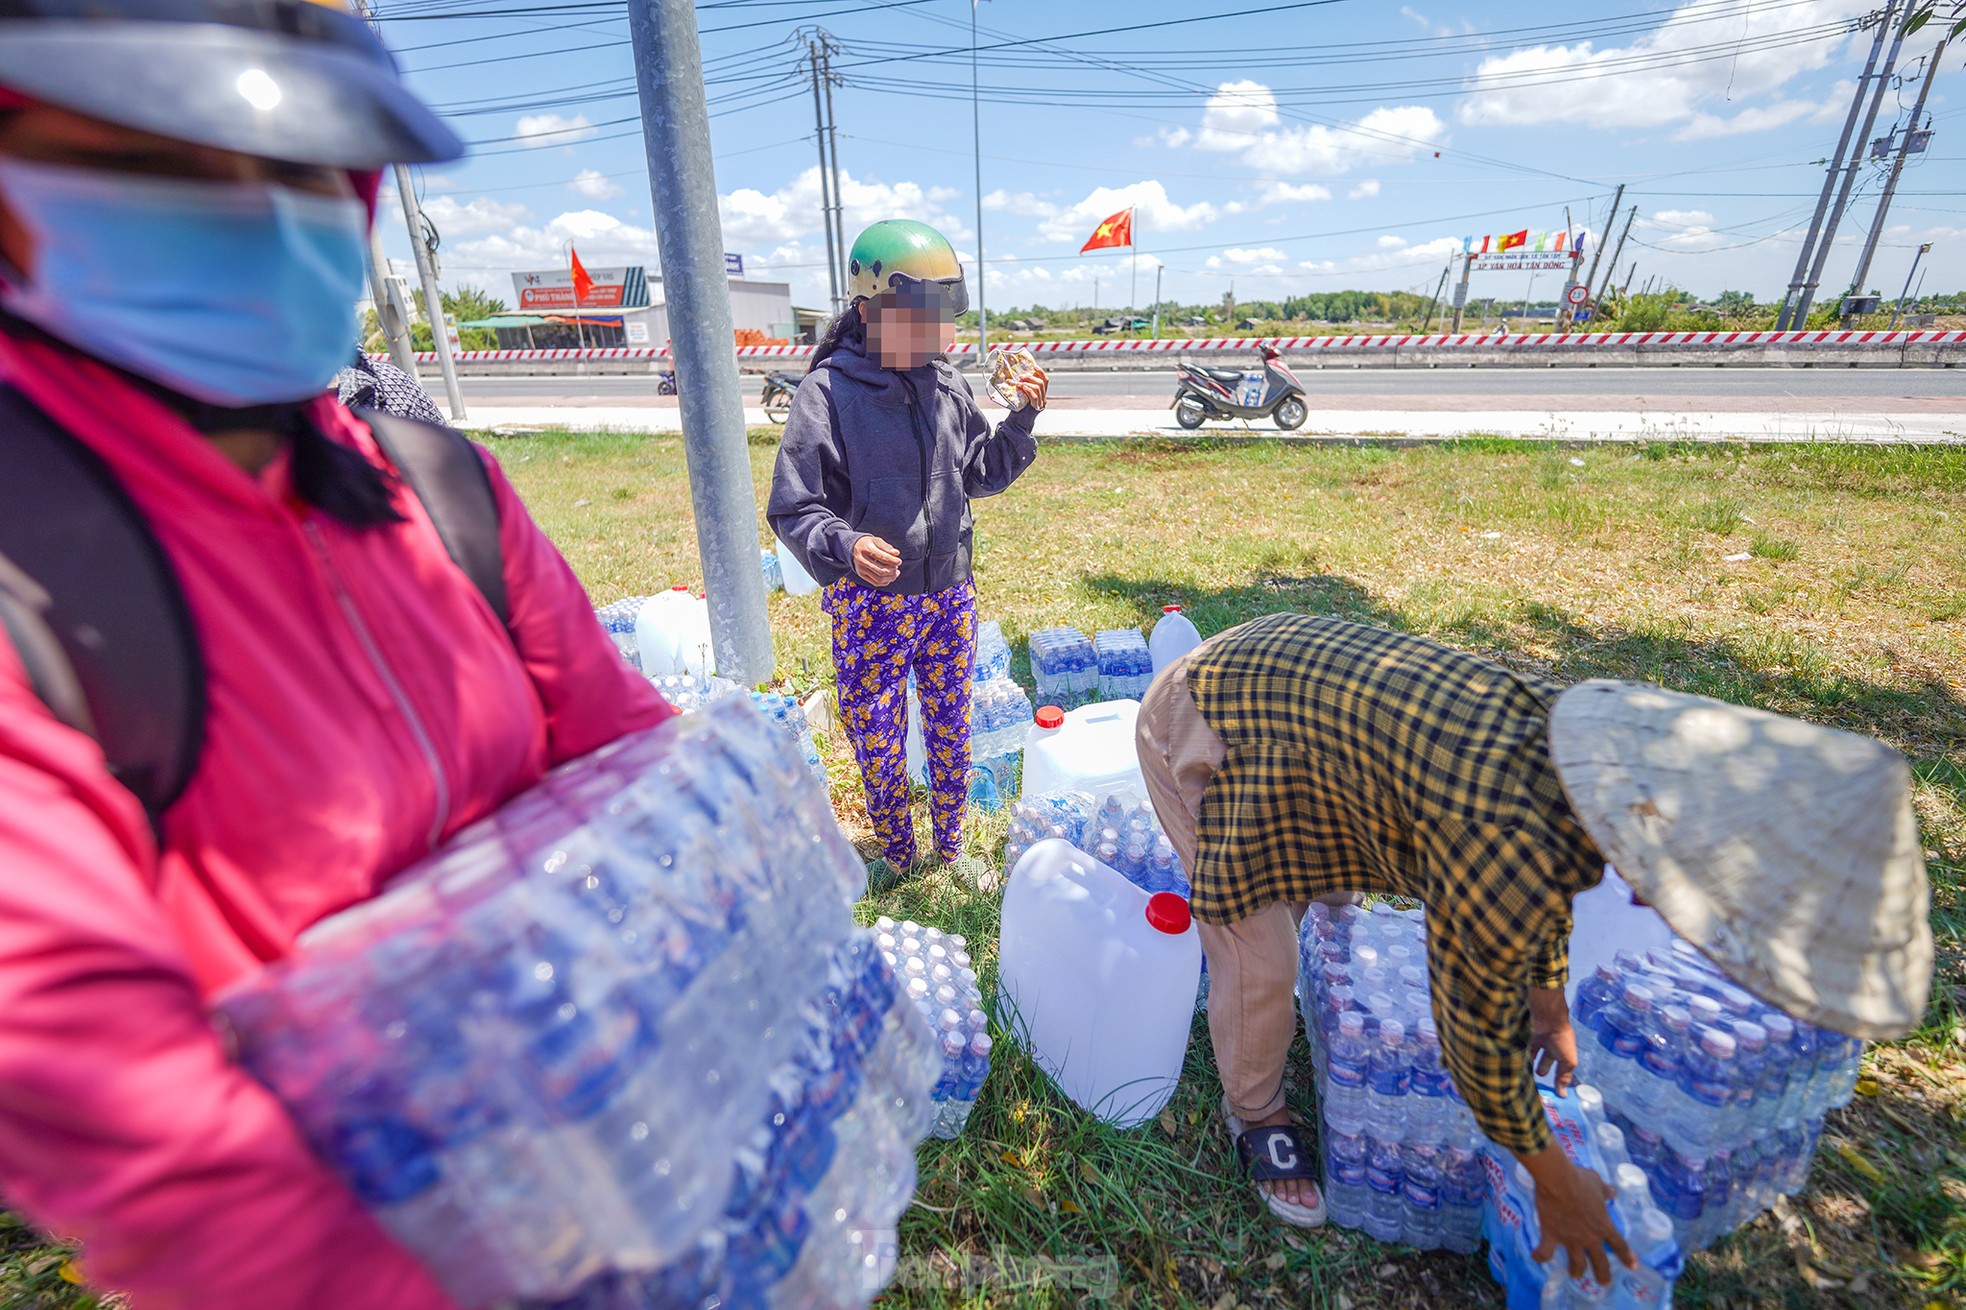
1133 245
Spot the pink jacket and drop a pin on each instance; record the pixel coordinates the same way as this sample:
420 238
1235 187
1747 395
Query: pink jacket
364 702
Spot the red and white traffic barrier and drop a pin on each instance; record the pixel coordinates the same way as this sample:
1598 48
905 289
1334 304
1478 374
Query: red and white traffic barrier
1574 341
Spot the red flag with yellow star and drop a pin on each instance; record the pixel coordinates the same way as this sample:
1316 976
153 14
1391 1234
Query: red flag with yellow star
1115 231
1513 239
583 285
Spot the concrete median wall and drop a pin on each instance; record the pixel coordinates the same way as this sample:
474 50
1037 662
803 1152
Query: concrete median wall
1829 349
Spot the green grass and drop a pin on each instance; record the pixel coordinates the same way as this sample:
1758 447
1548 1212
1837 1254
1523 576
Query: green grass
1580 563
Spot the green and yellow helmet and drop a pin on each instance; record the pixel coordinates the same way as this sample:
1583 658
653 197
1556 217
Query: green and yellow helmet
897 250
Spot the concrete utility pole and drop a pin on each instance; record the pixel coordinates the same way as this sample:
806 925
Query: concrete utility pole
683 187
1461 291
1435 302
976 138
1806 295
833 260
1611 269
826 49
1897 168
1808 250
433 299
389 314
1590 279
1158 270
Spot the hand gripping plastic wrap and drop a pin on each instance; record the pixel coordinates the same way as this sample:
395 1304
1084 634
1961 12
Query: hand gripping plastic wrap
618 1044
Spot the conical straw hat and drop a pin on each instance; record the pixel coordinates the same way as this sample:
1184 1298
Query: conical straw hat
1785 851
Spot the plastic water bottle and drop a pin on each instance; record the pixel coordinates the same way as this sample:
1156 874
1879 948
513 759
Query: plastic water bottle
1420 1187
1427 1101
1387 1082
1065 667
1125 667
1461 1196
1621 1032
1694 1119
992 652
1385 1206
1173 636
1344 1177
1660 1060
1345 1103
1599 990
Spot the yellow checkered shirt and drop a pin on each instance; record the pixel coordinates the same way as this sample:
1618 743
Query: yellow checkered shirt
1358 759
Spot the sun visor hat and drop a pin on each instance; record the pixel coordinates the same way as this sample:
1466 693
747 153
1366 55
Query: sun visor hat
290 80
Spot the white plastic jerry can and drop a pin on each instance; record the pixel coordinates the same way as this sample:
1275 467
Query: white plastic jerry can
1097 979
1174 635
797 581
672 634
1089 749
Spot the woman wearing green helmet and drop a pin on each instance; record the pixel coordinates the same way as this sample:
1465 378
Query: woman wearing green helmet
883 451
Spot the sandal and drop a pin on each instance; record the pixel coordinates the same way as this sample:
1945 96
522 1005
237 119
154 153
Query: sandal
971 874
1277 1154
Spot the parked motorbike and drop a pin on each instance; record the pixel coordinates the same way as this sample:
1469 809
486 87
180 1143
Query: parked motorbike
1201 394
665 383
778 395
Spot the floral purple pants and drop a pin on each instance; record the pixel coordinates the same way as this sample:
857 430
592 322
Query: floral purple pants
877 639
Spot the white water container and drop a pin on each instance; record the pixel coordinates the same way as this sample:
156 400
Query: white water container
1174 636
1604 920
1089 749
1098 980
797 581
672 635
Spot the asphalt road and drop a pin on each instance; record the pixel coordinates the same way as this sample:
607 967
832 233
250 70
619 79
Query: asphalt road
1876 390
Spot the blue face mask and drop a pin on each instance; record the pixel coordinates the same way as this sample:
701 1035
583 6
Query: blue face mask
234 293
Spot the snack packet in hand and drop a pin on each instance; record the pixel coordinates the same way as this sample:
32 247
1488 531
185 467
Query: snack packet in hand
1008 366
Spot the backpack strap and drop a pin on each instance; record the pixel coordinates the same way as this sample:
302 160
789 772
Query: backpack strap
94 610
443 467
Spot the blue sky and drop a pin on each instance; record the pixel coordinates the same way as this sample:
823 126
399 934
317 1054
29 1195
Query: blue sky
1301 147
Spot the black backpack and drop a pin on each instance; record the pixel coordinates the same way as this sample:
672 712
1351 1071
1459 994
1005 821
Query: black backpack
94 611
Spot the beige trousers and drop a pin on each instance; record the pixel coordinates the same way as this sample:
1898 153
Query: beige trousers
1252 963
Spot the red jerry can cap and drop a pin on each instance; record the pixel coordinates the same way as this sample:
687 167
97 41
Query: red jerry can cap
1170 609
1169 913
1050 717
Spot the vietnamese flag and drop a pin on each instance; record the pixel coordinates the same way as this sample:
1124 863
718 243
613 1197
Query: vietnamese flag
583 285
1513 239
1115 231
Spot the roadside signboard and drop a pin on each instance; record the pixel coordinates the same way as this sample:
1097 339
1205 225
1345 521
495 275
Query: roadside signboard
553 289
1577 294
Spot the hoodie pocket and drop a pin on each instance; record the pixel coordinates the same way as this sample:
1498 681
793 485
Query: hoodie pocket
892 510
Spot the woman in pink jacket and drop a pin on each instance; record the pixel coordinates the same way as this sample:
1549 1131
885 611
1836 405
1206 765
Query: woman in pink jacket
185 192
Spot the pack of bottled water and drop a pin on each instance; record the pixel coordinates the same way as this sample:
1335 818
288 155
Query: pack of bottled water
992 652
537 1055
1125 667
1060 814
1589 1139
936 973
790 717
619 620
1065 667
999 721
1721 1096
692 691
1116 827
1401 1157
774 573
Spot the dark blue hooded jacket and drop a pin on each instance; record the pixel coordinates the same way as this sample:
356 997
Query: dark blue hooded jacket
898 455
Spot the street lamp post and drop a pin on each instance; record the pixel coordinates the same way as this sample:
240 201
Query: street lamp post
1899 307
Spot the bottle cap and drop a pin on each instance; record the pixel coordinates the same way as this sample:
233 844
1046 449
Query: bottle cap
679 587
1169 913
1049 717
1170 609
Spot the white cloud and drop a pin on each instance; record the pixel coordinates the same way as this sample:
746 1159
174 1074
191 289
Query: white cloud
1241 118
754 219
536 130
1683 229
1672 85
480 215
1154 213
1267 260
1387 241
1284 193
602 239
1024 203
1364 190
1432 28
596 185
1386 256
